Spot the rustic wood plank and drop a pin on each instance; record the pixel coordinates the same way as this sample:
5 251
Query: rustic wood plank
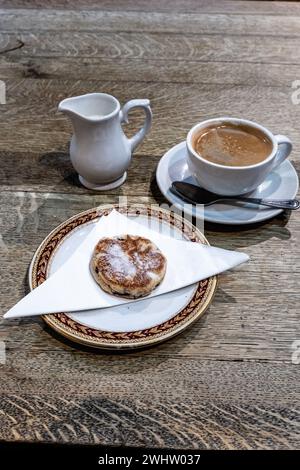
53 172
36 125
157 22
204 48
132 422
114 373
127 406
199 6
141 70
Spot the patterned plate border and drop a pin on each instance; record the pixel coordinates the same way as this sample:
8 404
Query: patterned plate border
83 334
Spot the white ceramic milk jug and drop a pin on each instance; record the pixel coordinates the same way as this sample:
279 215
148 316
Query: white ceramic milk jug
100 151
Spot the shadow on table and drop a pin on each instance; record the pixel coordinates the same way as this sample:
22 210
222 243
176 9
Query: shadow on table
252 234
241 235
181 340
60 163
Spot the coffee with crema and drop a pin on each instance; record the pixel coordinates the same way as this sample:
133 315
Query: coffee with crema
232 145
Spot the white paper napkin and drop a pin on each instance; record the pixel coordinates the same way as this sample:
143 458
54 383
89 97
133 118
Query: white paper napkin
72 287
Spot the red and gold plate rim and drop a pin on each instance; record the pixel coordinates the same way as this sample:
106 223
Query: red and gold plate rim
83 334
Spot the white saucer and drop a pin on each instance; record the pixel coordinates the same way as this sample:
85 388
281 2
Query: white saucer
282 183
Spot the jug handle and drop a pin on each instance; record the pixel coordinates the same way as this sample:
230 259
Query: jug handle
135 140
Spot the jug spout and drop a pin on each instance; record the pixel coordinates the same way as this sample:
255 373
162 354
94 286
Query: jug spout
93 107
68 107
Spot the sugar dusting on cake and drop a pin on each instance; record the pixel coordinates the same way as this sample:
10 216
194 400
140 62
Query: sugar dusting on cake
129 263
119 261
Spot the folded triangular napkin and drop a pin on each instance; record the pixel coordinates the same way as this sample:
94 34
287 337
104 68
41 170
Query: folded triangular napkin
72 287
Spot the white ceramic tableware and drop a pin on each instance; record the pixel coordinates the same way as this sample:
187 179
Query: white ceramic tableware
100 151
281 183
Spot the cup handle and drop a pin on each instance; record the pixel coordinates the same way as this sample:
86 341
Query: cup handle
135 140
284 149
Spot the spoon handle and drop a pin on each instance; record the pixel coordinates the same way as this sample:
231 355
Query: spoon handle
291 204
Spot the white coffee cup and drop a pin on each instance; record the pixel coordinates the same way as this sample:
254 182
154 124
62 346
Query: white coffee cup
234 180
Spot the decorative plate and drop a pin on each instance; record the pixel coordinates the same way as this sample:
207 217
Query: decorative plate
134 325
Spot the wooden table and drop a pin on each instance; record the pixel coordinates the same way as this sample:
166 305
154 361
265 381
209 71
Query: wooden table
228 382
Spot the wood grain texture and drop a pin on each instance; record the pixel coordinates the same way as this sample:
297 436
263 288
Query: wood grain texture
141 70
178 6
158 22
148 45
228 382
39 128
140 422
